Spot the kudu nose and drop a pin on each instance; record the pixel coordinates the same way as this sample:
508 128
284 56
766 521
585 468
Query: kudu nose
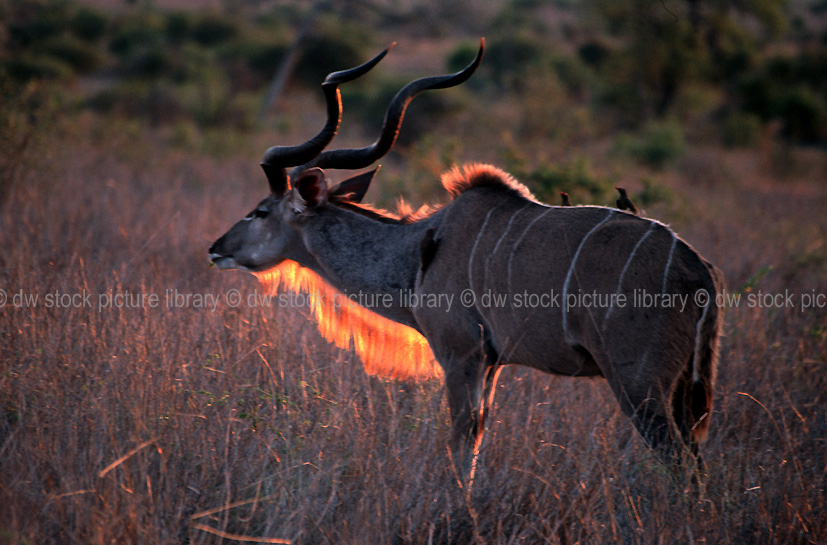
215 252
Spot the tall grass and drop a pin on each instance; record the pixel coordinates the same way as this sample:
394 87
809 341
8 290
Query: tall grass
183 424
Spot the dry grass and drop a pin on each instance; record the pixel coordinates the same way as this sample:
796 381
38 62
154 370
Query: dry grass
166 425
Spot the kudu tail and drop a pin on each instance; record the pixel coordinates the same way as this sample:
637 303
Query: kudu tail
704 363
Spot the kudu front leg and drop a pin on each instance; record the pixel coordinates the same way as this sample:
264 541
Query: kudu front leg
470 394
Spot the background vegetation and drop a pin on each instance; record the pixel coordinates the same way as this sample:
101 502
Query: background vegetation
130 135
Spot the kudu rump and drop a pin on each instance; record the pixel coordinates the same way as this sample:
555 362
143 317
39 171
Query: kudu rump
491 278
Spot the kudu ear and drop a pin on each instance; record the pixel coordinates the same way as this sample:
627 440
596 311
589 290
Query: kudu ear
354 188
309 191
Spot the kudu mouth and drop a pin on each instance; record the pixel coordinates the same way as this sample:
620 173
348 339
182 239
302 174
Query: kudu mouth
229 263
224 262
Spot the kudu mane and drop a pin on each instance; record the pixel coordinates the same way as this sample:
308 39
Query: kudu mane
460 179
403 215
456 181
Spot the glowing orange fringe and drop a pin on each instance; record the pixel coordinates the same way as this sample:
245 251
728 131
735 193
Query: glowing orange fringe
386 347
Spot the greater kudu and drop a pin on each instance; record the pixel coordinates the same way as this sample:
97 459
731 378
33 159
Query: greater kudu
491 278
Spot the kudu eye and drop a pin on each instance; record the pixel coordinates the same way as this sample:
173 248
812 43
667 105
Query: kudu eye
258 213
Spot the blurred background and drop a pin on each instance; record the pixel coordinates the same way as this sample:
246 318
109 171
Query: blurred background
567 91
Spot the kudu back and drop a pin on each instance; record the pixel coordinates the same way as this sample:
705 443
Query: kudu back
491 278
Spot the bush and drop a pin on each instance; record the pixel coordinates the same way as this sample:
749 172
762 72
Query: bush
618 96
261 56
803 114
573 74
150 62
334 47
178 26
27 113
652 193
509 58
214 29
30 66
576 178
593 53
757 94
740 130
31 23
793 90
659 143
135 33
461 55
80 55
147 101
89 24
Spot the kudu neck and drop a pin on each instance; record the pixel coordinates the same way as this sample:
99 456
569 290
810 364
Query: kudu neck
369 261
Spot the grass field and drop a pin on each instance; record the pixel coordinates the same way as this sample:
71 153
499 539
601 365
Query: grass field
131 414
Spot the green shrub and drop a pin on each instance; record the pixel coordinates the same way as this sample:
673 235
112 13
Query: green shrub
149 62
652 193
461 56
617 95
791 89
27 113
575 177
757 95
188 63
28 66
740 130
260 56
178 26
803 114
80 55
511 57
89 24
573 74
594 53
104 101
334 47
208 99
31 23
148 101
659 143
136 33
213 29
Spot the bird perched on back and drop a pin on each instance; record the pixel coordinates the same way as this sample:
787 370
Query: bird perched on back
564 198
625 203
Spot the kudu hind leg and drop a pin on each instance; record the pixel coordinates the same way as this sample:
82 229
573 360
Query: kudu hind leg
643 389
669 435
646 406
690 406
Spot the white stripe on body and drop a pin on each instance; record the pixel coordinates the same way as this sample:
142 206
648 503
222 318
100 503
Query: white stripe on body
668 263
502 237
517 244
571 269
623 272
476 243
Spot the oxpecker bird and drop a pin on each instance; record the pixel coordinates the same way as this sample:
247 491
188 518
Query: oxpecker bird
625 203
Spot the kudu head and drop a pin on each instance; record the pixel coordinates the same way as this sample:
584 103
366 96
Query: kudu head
268 235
